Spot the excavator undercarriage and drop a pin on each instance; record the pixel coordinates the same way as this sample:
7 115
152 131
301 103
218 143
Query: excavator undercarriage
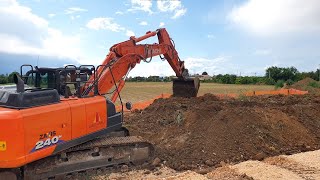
109 151
98 153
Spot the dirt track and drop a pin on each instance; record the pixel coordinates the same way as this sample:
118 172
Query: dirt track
294 167
205 132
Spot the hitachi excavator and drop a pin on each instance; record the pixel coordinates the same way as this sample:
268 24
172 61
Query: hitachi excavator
59 121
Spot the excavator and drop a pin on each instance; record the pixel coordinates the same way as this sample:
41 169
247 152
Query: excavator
60 121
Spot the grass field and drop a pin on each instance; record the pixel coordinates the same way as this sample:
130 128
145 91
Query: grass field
141 91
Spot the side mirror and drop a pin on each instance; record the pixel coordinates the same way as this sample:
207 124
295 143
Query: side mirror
128 105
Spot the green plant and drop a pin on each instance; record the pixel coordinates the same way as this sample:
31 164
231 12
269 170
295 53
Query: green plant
314 84
270 81
279 84
289 82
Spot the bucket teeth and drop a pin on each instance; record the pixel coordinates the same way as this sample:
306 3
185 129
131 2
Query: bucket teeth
186 87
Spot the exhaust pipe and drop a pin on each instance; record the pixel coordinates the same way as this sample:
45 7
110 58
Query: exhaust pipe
19 83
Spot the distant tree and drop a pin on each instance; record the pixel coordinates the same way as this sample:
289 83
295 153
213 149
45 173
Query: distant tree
204 73
10 77
3 79
280 73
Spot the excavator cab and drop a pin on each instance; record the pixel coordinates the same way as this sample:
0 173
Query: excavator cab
64 80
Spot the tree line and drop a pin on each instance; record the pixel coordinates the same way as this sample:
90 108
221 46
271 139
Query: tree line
7 78
273 76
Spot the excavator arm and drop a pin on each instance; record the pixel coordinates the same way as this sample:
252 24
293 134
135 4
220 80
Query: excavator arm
125 55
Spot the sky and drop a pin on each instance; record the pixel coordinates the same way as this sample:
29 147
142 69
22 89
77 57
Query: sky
241 37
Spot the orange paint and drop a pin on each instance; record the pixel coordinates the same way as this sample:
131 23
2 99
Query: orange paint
23 129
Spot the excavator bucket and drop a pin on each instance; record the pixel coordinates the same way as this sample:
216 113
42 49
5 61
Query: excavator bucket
186 87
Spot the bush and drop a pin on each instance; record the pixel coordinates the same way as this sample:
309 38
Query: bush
269 81
314 84
279 84
289 82
3 79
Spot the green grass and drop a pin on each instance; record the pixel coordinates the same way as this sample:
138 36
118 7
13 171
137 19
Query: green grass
141 91
314 84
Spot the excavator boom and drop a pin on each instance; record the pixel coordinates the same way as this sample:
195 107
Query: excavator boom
125 55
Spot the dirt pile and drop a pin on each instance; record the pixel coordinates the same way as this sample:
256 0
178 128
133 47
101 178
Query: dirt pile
307 84
206 132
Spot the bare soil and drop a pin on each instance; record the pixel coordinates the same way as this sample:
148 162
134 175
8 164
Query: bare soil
307 84
301 166
207 132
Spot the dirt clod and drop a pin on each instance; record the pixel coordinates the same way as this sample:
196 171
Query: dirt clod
209 162
124 168
260 156
156 162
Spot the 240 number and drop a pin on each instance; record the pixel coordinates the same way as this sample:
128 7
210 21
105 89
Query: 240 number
48 142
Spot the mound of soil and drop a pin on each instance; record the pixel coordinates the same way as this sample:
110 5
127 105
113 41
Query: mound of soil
307 84
205 131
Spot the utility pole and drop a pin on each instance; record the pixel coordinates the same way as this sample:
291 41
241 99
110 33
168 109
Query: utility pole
319 72
269 74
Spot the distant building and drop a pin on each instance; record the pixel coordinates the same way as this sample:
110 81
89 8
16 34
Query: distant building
204 77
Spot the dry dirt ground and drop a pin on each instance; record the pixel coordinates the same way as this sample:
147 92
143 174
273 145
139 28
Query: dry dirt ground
211 138
307 84
202 132
301 166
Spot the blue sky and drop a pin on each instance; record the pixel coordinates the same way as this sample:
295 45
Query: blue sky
235 36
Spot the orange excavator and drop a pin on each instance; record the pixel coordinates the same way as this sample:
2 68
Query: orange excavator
58 121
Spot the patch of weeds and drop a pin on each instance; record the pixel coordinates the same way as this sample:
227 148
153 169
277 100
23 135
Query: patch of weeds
314 84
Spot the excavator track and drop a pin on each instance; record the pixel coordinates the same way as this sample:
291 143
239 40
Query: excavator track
98 153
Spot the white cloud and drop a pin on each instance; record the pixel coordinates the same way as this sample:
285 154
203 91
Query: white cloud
143 23
141 5
72 10
72 17
172 6
51 15
262 52
119 13
196 65
274 17
104 23
129 33
179 13
218 65
211 36
23 32
161 24
156 67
